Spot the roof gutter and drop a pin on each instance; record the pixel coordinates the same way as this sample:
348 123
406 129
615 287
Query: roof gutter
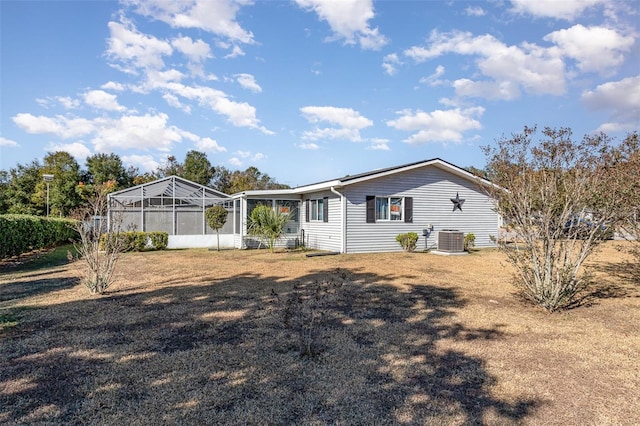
343 220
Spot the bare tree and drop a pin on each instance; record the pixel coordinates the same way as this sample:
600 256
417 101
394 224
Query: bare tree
628 170
99 254
561 199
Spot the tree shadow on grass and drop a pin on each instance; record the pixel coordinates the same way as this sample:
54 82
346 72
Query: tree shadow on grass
28 287
625 281
220 352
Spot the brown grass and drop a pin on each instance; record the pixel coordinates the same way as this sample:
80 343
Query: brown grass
206 337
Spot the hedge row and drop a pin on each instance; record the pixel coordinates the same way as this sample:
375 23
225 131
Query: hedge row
139 241
22 233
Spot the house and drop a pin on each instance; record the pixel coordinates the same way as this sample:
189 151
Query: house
353 214
365 212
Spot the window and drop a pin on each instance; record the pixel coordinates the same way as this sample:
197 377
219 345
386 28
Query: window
389 209
253 203
318 210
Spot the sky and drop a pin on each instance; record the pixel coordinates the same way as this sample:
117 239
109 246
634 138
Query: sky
310 90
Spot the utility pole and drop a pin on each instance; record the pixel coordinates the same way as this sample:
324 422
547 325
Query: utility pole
47 179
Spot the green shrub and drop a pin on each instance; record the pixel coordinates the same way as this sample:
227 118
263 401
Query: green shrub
159 240
408 241
139 241
23 233
469 241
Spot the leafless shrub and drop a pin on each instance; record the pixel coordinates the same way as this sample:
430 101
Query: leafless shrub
99 259
562 199
306 311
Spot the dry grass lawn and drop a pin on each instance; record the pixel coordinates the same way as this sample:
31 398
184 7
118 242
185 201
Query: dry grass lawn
249 337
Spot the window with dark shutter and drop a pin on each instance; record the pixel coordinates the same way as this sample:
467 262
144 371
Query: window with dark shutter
408 209
371 208
325 210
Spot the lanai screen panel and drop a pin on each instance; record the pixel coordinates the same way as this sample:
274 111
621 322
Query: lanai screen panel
173 205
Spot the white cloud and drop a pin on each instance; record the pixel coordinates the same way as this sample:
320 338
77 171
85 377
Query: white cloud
149 131
235 52
622 98
378 144
529 67
64 127
78 150
505 90
173 101
145 162
67 102
437 126
217 17
8 142
246 155
349 123
134 50
390 62
563 9
155 79
594 48
434 79
240 114
474 11
248 82
136 132
112 85
234 161
196 51
310 146
102 100
209 145
243 154
349 20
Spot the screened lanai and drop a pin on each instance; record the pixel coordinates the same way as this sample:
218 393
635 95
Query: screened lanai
172 204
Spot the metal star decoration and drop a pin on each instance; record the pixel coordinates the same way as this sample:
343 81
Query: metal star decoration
457 202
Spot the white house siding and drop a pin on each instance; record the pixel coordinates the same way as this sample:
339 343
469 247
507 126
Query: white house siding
431 189
323 235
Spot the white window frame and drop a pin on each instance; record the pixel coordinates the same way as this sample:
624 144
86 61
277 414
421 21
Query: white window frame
391 214
316 210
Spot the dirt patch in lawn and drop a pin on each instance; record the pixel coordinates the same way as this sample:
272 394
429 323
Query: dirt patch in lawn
249 337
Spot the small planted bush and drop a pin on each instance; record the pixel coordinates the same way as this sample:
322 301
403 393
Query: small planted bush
159 240
469 241
408 241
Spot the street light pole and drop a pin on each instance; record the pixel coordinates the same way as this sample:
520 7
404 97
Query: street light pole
47 179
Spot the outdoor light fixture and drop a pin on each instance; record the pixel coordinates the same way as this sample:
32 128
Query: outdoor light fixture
47 179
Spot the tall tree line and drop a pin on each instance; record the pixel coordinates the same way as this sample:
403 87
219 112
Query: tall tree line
24 191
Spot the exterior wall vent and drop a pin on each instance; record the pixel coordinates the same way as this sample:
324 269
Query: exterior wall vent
451 241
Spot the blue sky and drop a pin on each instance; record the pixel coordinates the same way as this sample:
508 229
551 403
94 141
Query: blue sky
309 90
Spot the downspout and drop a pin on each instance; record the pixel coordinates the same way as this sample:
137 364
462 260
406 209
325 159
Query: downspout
343 219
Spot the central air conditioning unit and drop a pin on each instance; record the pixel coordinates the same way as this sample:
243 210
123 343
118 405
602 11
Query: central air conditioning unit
451 241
